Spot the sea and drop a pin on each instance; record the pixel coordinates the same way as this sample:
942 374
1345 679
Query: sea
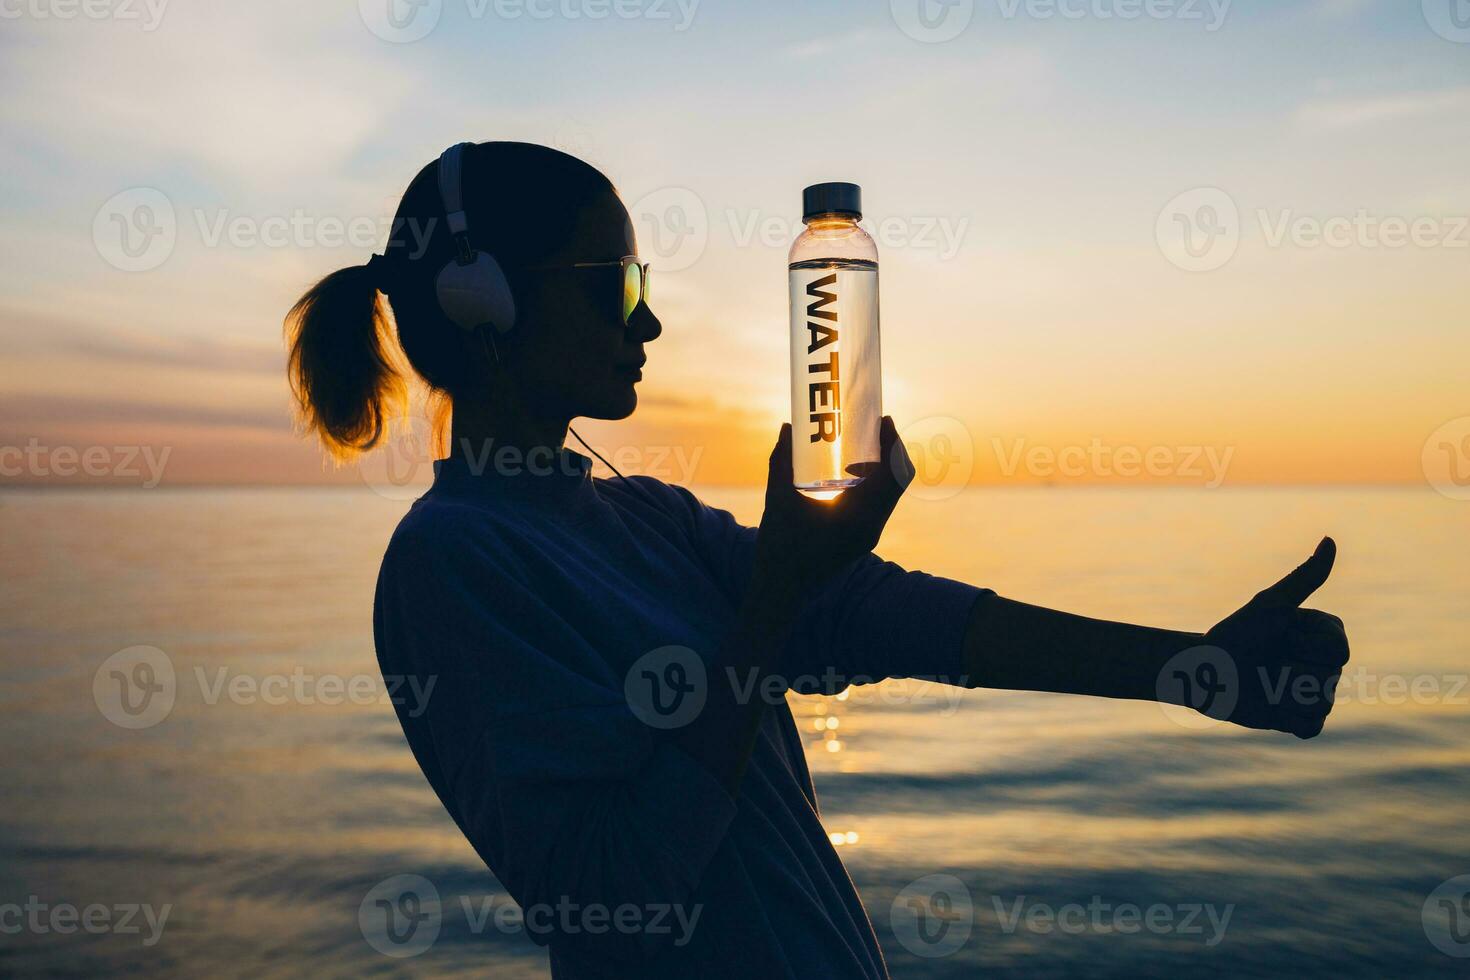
241 822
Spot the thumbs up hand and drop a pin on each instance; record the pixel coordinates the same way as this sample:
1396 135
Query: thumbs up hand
1285 660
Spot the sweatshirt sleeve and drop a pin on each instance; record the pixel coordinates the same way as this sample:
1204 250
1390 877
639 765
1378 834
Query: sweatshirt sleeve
873 621
530 743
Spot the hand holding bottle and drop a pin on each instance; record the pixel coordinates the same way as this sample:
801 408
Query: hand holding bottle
804 541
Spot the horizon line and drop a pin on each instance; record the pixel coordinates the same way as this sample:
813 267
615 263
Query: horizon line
47 486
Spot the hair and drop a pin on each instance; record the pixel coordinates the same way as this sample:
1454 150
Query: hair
346 369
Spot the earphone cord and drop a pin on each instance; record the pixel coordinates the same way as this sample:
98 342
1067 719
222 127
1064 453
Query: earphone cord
626 482
493 350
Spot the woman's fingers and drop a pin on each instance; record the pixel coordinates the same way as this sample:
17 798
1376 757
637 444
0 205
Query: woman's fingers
780 461
1304 727
1319 638
882 484
896 453
891 451
778 473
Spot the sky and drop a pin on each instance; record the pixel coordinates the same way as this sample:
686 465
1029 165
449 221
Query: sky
1191 242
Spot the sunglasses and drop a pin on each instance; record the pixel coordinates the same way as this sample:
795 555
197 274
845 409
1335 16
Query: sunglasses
634 279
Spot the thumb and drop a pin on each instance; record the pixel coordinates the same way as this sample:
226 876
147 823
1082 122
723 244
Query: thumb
1301 581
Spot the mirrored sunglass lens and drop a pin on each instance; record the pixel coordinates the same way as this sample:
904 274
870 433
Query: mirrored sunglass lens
632 290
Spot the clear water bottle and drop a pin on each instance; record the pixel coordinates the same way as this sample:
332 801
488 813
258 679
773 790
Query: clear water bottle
836 376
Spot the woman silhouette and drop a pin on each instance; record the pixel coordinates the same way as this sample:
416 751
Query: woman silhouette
607 723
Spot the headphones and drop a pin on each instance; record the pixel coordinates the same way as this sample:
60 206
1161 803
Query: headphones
472 289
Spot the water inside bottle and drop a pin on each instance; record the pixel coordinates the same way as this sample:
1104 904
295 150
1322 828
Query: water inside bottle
835 414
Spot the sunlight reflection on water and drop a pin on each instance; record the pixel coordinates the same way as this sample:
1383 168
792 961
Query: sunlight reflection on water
265 824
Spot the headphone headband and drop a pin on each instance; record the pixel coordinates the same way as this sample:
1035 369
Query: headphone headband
451 188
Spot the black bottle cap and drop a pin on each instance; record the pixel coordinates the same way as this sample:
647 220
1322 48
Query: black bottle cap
832 198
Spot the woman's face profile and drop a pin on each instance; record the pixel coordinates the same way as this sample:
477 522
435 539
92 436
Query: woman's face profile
577 358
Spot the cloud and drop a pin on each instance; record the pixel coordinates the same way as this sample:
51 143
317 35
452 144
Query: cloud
237 93
821 46
1352 113
49 411
32 337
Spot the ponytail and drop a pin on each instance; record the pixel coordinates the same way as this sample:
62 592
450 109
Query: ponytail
343 364
353 355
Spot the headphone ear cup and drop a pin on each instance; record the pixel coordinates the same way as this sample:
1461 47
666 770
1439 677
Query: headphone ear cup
476 294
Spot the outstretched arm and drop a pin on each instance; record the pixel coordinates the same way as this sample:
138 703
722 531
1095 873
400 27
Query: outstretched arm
1014 646
1269 665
